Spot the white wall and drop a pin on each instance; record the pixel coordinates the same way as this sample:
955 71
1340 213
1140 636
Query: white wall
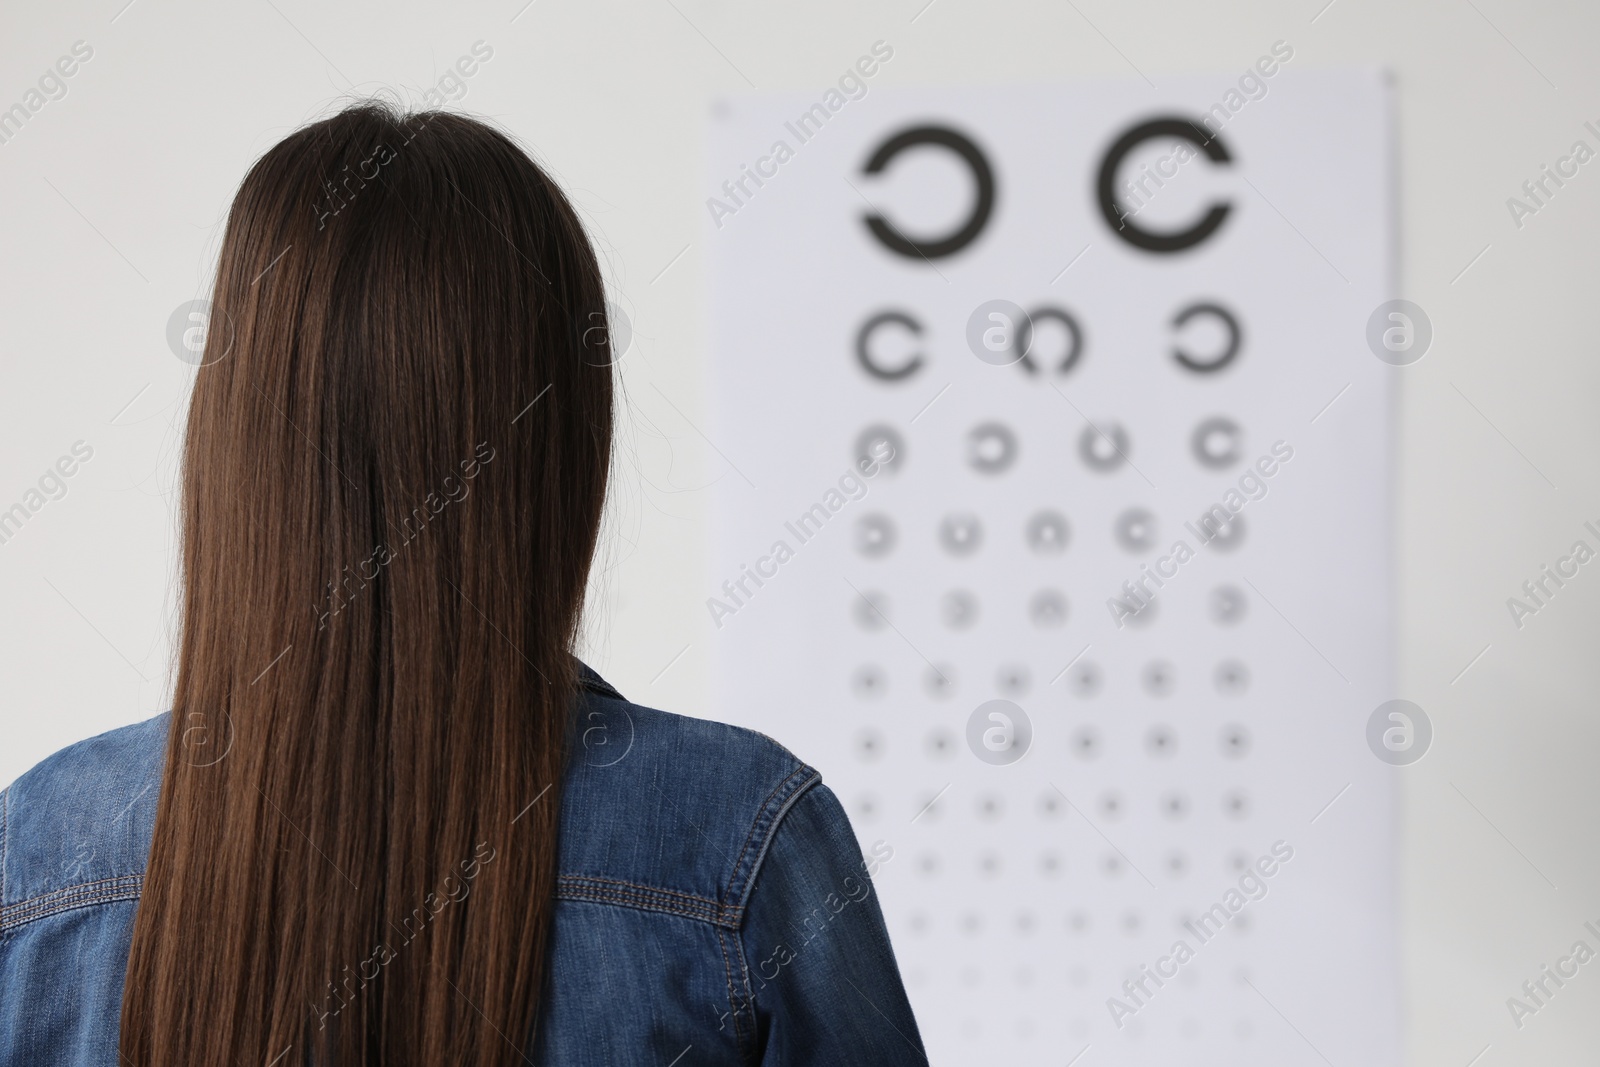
112 199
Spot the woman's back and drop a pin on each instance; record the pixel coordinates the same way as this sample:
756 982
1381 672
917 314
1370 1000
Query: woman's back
390 818
712 905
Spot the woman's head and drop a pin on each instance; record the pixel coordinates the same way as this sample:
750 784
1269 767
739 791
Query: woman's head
396 295
394 472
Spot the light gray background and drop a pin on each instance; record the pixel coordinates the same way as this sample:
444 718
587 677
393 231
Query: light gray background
112 199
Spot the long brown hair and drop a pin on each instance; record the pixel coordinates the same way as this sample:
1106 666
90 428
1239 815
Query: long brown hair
393 478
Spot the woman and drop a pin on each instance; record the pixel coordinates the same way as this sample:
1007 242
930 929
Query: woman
391 819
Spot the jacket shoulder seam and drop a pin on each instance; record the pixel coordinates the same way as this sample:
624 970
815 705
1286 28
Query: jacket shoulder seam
82 895
767 819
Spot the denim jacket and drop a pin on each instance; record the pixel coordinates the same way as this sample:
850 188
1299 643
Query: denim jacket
713 905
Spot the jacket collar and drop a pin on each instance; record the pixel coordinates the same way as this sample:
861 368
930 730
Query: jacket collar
590 679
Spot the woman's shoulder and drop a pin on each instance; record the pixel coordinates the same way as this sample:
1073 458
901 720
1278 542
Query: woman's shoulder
75 828
671 805
661 811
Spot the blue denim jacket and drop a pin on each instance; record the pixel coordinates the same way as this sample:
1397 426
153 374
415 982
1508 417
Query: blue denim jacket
713 905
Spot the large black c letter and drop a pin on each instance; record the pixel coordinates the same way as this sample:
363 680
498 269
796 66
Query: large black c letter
890 237
1121 224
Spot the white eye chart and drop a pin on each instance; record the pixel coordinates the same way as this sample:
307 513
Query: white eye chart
1055 532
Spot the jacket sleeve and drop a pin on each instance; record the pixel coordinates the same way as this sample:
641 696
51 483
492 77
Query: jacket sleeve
822 974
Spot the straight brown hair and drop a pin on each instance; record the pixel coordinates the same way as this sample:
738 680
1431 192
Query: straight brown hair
393 478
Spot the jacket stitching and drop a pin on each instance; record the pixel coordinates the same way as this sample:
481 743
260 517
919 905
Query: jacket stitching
72 896
640 901
86 894
748 999
769 833
756 825
733 1002
648 898
5 825
762 822
643 905
706 901
630 894
766 842
76 887
103 897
